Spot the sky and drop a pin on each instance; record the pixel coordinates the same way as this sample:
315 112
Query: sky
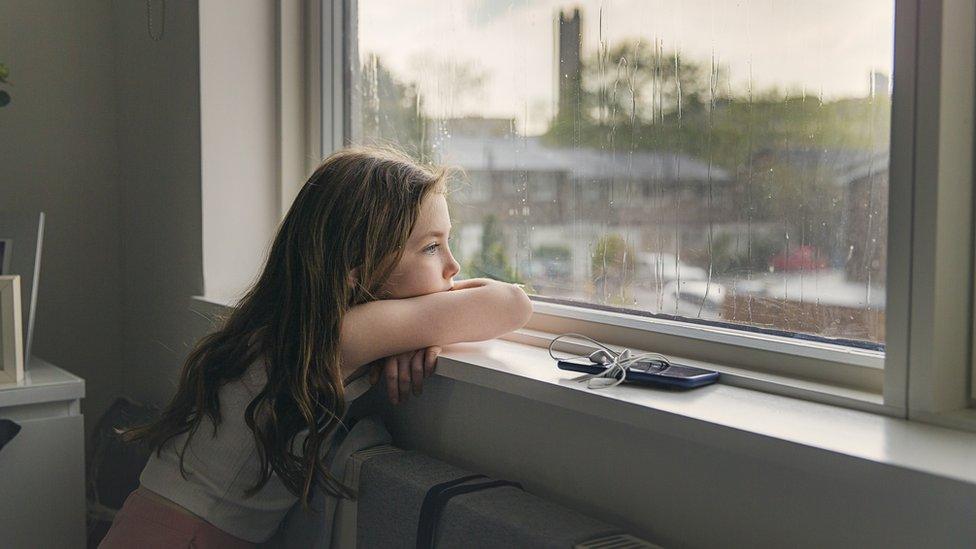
821 48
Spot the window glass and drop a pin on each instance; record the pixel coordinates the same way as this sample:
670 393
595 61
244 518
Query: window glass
724 162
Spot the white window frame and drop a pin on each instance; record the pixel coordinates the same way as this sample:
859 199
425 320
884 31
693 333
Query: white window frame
306 58
926 371
933 369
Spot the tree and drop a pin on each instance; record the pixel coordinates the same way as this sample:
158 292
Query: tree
453 84
612 269
636 96
391 111
640 79
491 261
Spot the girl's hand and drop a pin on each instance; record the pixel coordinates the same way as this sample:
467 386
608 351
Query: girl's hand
403 370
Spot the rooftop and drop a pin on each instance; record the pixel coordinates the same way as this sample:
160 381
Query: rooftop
530 154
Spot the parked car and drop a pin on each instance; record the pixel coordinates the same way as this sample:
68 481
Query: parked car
801 258
551 270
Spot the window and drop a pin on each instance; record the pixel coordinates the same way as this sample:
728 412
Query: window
544 188
723 174
478 187
725 162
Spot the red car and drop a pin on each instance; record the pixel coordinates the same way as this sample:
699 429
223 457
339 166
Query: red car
801 258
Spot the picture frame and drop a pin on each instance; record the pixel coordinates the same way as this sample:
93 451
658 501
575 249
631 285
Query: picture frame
21 240
11 332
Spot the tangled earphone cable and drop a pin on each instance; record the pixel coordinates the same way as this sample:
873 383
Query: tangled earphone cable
616 362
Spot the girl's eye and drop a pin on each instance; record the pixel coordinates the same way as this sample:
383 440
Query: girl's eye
432 248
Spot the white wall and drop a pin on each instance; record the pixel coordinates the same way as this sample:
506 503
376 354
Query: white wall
107 132
58 154
104 134
238 129
159 157
197 154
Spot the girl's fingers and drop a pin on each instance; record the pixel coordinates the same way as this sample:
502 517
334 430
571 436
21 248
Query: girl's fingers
390 371
430 360
405 373
469 283
417 372
404 385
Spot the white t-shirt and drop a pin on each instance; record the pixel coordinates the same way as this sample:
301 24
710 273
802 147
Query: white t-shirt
220 468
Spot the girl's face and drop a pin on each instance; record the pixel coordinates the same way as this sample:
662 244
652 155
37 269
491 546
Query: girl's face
427 265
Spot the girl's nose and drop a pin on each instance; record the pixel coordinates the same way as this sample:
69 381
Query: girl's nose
453 267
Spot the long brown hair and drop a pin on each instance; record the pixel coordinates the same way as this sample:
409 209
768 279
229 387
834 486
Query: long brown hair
355 212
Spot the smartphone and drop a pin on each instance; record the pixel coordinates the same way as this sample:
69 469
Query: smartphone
650 372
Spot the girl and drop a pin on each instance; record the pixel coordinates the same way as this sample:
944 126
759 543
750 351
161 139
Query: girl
359 274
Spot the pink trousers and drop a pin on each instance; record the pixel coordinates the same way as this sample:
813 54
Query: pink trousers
146 524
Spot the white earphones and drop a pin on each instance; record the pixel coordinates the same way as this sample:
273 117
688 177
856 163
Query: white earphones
617 362
601 356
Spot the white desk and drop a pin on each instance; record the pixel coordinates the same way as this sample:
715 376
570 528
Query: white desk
42 470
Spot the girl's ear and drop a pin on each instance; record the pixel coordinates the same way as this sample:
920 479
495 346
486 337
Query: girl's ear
353 277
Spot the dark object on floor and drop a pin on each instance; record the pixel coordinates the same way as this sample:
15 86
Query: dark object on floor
8 430
114 466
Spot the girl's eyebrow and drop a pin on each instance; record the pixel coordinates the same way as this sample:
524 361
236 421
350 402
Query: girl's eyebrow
434 233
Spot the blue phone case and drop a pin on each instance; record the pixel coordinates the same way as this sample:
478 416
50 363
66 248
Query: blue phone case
650 372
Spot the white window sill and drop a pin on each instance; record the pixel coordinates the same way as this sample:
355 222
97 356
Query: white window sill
732 413
741 419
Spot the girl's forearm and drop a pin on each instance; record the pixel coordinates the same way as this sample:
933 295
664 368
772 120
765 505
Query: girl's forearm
387 327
